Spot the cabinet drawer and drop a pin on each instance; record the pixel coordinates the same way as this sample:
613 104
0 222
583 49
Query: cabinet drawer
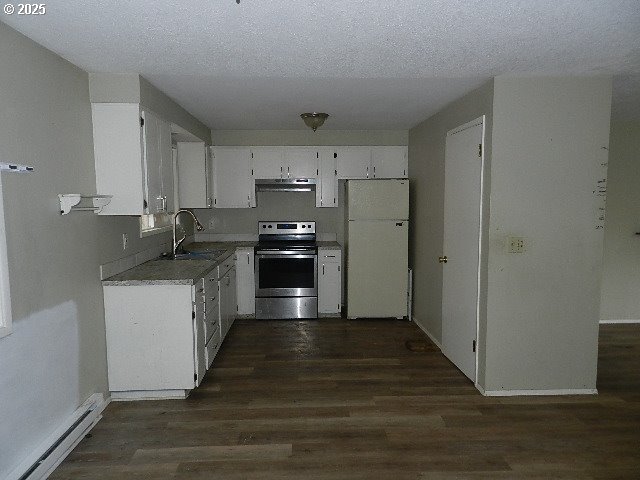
212 347
329 255
211 323
210 301
226 265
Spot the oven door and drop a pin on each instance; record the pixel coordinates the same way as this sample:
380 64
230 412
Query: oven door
286 274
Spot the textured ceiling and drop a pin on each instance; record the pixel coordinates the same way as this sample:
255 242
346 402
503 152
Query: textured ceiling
370 64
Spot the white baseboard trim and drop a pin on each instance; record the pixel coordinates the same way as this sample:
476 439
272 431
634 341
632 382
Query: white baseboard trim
427 333
55 454
630 320
520 393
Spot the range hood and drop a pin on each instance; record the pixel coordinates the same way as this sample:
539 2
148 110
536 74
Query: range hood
286 185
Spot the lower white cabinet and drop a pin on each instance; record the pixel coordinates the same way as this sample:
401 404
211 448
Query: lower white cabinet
246 289
161 339
329 282
228 295
155 340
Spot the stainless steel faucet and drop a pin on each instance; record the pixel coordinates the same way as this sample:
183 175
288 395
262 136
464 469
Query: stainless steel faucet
199 228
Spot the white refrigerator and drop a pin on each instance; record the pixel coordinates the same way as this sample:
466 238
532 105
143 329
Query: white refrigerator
377 234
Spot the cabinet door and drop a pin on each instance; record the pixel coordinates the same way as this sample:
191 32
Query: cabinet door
389 162
327 187
166 167
192 175
119 156
300 162
267 162
245 290
152 163
199 342
233 298
353 162
232 182
329 287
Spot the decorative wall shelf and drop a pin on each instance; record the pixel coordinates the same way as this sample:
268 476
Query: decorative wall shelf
76 202
14 167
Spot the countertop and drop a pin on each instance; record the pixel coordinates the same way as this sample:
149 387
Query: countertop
162 271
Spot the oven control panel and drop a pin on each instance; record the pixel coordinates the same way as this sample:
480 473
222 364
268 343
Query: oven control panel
286 228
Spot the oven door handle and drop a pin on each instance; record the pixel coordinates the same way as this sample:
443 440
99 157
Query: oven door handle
278 253
286 255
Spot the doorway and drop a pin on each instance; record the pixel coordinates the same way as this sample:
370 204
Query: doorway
464 167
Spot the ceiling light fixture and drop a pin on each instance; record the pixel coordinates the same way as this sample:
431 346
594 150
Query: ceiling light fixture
314 120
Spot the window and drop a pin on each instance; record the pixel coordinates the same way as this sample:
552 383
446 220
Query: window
5 297
152 224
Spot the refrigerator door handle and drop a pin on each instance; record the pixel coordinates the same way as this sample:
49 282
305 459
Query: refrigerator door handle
398 224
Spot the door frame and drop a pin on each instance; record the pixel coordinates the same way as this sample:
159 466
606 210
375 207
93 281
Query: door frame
481 120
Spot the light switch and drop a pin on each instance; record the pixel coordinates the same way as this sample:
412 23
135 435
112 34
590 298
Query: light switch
516 244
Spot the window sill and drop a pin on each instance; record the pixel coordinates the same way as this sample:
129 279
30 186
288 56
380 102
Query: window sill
154 231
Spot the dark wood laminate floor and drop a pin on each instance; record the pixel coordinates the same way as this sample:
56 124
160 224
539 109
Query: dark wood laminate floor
337 399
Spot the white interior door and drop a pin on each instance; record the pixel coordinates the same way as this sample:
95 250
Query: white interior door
462 210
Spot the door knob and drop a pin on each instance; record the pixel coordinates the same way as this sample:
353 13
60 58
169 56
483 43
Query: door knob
443 259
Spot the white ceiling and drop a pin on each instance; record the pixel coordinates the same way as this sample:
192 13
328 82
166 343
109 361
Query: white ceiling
370 64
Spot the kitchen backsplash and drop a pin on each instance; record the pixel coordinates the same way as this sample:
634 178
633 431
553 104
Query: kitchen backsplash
271 206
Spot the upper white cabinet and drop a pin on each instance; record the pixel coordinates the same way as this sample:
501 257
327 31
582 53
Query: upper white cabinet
353 162
300 162
132 151
268 162
327 186
193 172
389 162
232 181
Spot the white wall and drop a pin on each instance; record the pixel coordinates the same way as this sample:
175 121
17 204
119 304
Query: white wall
550 137
426 175
621 275
132 88
56 357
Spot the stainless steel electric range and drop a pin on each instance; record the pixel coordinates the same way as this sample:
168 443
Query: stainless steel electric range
286 270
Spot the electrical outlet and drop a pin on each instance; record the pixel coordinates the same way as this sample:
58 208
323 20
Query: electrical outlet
516 244
125 240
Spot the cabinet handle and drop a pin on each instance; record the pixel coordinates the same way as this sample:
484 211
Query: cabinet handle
323 269
330 256
367 172
374 172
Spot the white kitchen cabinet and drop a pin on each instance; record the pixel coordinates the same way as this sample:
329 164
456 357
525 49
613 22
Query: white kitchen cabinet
227 294
300 162
353 162
389 162
166 167
329 282
232 181
155 340
327 186
246 289
268 162
193 175
132 153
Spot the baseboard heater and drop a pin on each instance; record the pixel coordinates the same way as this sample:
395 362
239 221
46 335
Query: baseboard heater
61 444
